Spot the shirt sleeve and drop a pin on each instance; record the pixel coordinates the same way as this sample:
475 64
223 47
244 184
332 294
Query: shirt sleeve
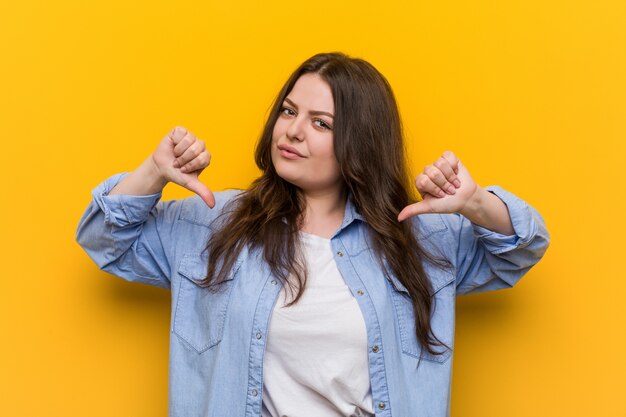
129 236
487 260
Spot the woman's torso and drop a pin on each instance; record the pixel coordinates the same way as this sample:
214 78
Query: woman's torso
218 340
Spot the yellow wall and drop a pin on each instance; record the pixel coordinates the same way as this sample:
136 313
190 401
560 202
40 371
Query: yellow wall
530 94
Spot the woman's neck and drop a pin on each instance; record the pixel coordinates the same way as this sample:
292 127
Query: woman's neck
324 213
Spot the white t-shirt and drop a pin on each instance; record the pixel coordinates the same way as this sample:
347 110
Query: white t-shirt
316 362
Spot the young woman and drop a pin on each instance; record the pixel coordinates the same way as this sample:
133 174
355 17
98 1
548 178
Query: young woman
324 289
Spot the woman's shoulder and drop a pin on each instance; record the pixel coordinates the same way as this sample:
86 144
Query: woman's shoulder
194 209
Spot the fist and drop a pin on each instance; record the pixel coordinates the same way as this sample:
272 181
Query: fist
445 186
180 158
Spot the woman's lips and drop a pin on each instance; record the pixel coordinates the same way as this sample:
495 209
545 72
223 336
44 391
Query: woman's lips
289 152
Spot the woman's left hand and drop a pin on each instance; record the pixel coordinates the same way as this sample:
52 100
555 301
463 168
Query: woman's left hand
445 186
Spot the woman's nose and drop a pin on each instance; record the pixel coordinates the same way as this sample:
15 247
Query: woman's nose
295 131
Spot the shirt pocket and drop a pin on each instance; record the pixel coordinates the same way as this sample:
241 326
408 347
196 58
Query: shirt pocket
200 313
442 316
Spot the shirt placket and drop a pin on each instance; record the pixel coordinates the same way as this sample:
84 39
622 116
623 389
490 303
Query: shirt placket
263 312
378 377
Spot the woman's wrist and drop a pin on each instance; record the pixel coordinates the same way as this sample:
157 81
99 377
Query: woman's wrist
487 210
144 180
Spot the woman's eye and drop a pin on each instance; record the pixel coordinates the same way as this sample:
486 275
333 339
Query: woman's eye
289 111
323 124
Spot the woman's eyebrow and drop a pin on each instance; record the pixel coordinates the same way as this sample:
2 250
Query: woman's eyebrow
313 112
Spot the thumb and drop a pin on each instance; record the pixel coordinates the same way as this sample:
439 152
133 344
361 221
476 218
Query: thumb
421 207
202 190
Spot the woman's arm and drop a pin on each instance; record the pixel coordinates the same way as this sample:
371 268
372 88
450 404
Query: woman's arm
486 260
496 236
125 229
145 180
129 236
487 210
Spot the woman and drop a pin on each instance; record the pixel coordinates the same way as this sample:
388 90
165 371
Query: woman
323 289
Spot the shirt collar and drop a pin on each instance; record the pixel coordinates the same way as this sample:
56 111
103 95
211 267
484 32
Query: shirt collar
350 214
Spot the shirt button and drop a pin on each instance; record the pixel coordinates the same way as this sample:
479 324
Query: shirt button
339 253
258 335
381 405
375 349
360 292
255 393
273 282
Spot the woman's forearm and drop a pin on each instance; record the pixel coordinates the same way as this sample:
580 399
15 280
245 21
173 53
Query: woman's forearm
144 180
487 210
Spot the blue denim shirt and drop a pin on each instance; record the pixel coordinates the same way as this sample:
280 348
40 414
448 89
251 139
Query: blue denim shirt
217 340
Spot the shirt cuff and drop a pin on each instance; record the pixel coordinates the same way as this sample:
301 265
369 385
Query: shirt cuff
120 209
524 224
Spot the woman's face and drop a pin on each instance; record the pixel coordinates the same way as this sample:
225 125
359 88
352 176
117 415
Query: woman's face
302 140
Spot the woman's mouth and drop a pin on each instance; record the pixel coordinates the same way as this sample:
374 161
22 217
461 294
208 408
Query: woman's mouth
289 152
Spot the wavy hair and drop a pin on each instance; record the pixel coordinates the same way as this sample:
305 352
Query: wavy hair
369 146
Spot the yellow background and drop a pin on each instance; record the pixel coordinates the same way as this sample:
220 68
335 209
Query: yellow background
530 94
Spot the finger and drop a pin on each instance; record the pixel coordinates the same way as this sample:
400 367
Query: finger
453 160
446 168
190 153
198 163
184 143
421 207
177 134
202 190
439 179
425 185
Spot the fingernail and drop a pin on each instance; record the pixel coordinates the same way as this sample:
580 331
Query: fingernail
457 183
176 164
183 169
451 190
441 193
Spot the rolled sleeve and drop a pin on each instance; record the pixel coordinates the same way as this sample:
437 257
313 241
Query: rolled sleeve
130 236
487 260
522 219
120 209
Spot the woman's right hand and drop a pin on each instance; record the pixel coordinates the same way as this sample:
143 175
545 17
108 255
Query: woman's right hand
180 158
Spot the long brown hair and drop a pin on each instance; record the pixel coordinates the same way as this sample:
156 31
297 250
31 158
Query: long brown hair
369 146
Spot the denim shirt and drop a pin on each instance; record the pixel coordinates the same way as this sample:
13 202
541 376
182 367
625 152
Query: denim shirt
217 340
